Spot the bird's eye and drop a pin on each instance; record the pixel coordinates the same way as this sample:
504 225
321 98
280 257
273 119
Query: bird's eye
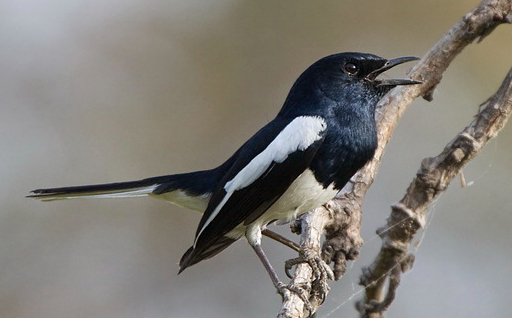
350 69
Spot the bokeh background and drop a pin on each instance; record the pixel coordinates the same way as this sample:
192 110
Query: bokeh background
103 91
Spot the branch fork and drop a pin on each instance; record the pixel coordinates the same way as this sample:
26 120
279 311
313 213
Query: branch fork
340 219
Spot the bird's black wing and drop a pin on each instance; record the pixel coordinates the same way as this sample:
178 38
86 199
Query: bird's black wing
266 166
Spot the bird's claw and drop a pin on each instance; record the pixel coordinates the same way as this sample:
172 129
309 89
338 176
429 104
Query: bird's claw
282 289
321 270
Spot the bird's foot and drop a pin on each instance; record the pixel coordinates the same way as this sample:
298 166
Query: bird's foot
321 271
283 289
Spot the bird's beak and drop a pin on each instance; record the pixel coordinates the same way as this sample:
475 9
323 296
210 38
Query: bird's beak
390 64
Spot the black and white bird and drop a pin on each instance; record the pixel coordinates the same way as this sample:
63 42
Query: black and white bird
322 135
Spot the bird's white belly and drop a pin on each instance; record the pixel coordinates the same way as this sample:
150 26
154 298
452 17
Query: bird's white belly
303 195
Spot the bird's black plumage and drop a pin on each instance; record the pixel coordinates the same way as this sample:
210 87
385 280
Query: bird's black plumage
345 102
322 135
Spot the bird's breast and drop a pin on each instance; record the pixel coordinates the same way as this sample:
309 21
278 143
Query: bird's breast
347 147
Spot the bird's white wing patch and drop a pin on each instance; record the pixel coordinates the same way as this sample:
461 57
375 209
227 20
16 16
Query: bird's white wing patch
299 134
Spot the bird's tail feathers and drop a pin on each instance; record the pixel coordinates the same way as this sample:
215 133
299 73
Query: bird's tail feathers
191 190
99 191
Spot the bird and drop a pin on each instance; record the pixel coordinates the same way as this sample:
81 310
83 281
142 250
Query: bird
323 134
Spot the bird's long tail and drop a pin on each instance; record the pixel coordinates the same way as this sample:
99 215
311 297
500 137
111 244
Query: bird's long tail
178 188
109 190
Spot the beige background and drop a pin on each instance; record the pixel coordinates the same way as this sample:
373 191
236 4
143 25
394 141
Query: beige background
102 91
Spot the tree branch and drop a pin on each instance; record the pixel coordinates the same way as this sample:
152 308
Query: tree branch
408 216
341 217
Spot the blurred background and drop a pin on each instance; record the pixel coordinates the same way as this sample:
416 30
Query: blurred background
103 91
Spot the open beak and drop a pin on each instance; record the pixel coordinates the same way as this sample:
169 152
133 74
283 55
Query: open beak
390 64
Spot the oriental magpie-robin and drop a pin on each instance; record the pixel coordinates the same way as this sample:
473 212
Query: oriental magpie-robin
322 135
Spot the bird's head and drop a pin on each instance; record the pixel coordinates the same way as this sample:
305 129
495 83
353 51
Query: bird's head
344 79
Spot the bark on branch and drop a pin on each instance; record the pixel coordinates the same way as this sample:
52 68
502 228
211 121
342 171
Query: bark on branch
340 219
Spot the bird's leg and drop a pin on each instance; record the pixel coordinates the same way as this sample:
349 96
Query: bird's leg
281 239
321 270
280 286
